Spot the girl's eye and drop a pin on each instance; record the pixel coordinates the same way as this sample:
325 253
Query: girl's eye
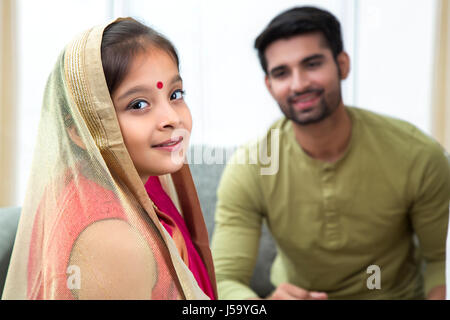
177 95
138 105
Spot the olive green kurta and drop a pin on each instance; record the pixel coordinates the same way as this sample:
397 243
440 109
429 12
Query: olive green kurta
332 221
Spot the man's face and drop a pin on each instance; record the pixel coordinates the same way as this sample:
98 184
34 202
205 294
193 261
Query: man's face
304 78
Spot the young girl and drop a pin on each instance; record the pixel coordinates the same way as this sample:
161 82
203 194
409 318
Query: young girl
111 211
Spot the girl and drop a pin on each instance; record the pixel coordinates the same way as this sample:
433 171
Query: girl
103 216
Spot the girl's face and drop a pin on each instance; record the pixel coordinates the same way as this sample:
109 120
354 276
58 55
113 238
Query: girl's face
153 116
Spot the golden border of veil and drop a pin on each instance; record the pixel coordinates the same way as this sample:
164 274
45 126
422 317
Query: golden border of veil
82 76
83 73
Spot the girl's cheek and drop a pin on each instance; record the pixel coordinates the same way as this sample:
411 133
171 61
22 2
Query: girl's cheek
188 120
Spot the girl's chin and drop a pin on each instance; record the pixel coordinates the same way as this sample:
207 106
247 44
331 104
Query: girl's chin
163 170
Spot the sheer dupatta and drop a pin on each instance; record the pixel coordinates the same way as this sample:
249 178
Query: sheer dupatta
74 187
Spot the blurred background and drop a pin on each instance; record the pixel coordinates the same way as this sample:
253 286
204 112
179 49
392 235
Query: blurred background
400 52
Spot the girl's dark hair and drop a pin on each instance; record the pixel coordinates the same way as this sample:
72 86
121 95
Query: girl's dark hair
297 21
121 41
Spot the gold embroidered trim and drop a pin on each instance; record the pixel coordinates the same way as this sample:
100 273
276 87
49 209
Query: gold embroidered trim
81 95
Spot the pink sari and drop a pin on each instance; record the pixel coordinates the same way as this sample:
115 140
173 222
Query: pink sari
165 204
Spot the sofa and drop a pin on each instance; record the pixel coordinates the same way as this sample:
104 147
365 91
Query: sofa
206 178
9 218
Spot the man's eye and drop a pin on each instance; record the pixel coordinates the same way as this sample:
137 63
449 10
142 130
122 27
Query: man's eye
279 74
178 94
314 64
138 105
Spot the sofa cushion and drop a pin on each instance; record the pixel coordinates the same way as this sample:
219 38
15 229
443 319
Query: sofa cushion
9 219
206 174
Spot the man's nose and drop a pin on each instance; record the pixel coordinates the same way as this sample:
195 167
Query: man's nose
299 81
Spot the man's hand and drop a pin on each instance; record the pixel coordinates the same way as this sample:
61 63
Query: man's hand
437 293
287 291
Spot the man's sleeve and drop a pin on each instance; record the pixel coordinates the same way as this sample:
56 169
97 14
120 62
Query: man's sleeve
237 230
430 211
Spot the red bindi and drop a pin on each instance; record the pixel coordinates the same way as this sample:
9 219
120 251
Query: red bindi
159 85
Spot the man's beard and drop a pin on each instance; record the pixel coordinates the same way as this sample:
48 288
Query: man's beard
320 112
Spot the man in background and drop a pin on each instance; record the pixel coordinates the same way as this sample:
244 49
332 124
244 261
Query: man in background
359 200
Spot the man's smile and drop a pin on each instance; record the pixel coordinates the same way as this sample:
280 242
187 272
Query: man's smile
305 101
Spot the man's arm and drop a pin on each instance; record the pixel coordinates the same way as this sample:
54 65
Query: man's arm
429 215
238 220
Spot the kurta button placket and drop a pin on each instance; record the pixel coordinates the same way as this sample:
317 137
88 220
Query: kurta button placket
332 232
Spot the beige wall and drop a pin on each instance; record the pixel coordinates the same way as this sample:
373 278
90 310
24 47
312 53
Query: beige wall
441 86
8 103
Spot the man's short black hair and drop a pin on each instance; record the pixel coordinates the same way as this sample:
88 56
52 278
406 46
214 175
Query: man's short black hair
297 21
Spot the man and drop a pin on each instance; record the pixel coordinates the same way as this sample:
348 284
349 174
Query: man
353 193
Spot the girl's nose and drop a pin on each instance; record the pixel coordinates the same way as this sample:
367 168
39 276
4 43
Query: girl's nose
169 118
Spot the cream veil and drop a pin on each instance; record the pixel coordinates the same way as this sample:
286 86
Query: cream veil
68 183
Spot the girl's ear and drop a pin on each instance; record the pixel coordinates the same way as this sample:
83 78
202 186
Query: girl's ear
75 137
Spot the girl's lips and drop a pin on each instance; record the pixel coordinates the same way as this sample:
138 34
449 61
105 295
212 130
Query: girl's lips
170 145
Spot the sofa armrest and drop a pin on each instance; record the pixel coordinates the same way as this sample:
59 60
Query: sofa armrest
9 219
